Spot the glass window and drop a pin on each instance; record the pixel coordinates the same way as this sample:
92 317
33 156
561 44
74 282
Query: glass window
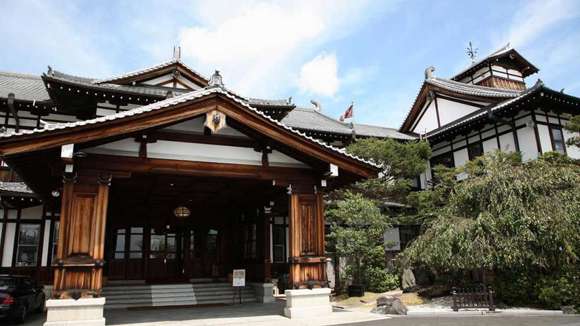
120 244
157 245
475 150
55 228
136 243
558 139
279 242
212 242
28 239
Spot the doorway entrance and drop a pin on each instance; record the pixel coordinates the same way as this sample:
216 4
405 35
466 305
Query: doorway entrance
225 227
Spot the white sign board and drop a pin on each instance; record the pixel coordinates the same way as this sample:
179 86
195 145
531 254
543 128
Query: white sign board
239 277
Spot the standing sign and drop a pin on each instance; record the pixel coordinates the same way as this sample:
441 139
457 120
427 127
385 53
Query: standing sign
239 278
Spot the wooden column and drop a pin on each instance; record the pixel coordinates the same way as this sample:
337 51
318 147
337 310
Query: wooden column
267 248
306 228
78 269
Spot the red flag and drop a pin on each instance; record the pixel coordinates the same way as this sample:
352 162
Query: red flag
348 113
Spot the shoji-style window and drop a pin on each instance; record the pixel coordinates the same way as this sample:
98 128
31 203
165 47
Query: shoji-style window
558 144
28 240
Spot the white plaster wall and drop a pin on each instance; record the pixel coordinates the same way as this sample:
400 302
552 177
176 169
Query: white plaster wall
392 239
45 240
460 157
124 147
572 151
490 145
196 126
507 142
428 121
450 111
31 213
527 142
158 80
545 141
8 249
215 153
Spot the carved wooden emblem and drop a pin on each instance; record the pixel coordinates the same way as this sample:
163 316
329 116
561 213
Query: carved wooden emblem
215 120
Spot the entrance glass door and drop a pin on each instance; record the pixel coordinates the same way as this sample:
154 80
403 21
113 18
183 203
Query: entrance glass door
164 263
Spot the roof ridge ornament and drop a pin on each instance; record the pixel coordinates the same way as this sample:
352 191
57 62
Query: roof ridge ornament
317 105
216 80
430 72
176 53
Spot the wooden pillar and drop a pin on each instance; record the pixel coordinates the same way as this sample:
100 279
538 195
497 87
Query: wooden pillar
306 229
78 269
267 247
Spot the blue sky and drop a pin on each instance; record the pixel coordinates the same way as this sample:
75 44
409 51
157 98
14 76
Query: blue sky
370 52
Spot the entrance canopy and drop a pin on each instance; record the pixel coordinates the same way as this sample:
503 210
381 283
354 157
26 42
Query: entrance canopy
23 150
213 137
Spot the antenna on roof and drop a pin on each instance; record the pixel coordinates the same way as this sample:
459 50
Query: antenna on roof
176 53
471 52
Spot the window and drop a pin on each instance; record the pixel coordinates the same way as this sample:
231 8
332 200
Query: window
28 239
212 242
55 228
279 240
557 139
474 150
136 243
443 159
120 244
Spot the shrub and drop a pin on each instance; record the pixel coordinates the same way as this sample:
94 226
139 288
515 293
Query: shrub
379 280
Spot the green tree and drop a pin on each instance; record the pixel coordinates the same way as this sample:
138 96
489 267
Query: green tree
357 213
506 215
356 230
574 126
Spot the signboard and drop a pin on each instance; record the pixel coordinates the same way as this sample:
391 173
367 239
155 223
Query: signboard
239 278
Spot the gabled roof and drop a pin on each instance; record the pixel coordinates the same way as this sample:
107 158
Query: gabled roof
311 119
456 89
164 67
539 89
365 130
52 135
504 53
25 87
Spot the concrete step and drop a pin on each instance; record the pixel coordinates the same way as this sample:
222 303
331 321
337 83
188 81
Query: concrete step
152 295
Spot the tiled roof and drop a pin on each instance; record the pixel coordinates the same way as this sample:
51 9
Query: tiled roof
269 102
174 101
156 91
25 87
470 89
311 119
497 54
15 187
483 112
380 132
149 69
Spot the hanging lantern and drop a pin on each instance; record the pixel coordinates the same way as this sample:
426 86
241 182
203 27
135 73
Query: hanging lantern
181 212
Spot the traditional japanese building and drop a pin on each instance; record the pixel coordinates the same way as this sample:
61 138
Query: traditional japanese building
163 176
487 107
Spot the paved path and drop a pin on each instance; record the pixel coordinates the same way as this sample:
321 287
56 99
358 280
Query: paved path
271 314
477 321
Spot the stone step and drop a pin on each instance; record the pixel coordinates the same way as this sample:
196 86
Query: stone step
176 303
170 295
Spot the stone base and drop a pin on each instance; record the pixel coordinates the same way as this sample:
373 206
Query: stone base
306 303
68 312
264 292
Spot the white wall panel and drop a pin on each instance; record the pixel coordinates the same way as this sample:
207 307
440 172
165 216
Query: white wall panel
8 249
31 213
428 121
460 157
45 240
490 145
527 142
572 151
507 142
450 111
545 142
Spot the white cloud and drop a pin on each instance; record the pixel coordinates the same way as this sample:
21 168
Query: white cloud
259 45
319 76
537 17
